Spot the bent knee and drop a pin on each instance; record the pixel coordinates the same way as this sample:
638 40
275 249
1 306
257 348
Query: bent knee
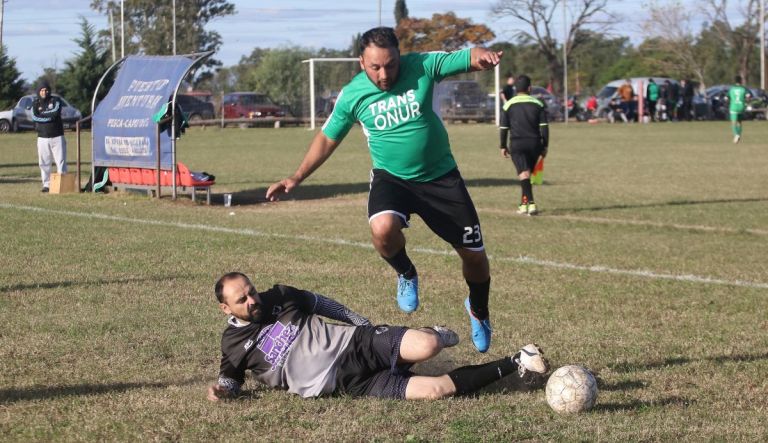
384 226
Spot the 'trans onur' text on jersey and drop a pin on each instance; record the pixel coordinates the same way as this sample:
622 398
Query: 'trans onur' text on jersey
405 136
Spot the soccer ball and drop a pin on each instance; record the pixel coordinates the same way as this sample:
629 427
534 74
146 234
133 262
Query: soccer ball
571 389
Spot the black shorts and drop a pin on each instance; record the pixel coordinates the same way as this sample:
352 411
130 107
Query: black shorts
525 153
444 204
368 367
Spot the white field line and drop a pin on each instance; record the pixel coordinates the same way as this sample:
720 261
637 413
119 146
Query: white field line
624 221
342 242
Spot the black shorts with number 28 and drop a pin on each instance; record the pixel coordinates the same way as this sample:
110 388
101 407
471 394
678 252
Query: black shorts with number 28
444 204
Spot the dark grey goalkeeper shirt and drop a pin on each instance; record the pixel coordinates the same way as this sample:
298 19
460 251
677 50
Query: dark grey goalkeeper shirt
290 347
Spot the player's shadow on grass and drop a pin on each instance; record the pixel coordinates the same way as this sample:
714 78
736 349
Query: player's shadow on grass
321 191
16 180
626 385
499 182
13 395
639 405
303 192
68 283
26 165
561 211
679 361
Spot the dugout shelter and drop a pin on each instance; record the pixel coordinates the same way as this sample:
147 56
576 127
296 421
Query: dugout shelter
135 127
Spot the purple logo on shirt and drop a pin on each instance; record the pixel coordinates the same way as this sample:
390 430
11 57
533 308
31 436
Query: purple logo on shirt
276 343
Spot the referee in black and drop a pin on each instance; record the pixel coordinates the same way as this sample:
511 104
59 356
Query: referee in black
524 134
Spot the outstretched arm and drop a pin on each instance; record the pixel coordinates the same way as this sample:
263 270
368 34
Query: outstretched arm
320 149
482 59
321 305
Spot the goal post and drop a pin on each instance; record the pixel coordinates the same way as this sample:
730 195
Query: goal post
312 93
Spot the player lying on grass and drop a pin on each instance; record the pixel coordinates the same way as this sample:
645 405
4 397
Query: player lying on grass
280 336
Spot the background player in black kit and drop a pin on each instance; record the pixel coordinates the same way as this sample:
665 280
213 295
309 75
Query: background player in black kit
280 337
524 134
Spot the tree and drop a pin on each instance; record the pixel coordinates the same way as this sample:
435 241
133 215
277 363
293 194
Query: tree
539 15
149 26
82 73
594 59
401 11
669 36
11 83
281 75
741 40
442 32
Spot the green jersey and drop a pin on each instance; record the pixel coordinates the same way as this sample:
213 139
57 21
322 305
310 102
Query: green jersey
737 97
653 92
405 136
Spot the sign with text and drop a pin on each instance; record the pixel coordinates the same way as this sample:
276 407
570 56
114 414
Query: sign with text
123 131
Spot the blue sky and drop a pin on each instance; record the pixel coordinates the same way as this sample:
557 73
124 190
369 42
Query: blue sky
39 33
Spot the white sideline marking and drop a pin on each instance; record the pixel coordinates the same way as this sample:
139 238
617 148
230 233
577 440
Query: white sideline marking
338 241
624 221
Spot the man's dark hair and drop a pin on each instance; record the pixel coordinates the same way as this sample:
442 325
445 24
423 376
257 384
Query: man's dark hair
737 79
523 83
381 37
219 288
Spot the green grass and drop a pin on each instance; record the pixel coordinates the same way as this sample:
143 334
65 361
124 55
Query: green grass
110 330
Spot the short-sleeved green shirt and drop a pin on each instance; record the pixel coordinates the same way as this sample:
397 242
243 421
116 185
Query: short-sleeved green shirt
405 136
737 97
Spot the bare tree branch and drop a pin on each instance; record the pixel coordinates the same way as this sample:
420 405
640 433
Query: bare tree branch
538 16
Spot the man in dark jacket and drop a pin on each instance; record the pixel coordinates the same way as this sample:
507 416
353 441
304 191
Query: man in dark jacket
687 107
51 145
671 97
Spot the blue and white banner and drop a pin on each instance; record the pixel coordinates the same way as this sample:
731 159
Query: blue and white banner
124 134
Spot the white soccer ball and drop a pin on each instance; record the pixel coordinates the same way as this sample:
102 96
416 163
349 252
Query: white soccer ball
571 389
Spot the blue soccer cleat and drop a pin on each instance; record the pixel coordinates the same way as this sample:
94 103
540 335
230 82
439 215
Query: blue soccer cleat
481 330
408 293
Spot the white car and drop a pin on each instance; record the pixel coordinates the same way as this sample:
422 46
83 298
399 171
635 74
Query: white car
6 121
22 114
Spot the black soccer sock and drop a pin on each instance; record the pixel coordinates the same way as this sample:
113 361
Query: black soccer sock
469 379
478 298
525 184
402 264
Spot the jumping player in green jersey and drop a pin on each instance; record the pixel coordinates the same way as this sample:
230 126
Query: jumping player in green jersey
413 168
737 102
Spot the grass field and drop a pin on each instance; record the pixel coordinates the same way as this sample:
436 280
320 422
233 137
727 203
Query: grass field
648 264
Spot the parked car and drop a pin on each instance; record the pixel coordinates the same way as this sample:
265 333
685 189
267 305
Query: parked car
717 96
639 85
250 105
463 100
195 108
22 114
555 109
6 121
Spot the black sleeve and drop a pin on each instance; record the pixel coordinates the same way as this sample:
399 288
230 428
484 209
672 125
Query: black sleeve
504 129
38 116
55 111
230 376
544 128
312 303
